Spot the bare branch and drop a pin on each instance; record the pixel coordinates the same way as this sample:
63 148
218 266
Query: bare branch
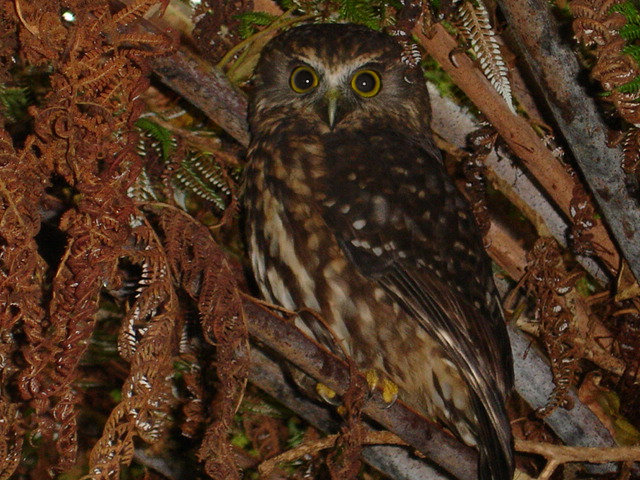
397 462
379 438
208 89
556 455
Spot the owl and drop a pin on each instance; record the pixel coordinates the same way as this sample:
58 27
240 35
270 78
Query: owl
350 213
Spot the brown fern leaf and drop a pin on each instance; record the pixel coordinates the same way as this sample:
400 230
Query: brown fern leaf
631 150
153 287
42 34
147 398
206 275
216 30
475 26
593 24
627 105
582 213
150 343
133 12
22 270
193 410
614 68
8 39
75 140
11 439
548 282
481 142
344 461
627 336
22 276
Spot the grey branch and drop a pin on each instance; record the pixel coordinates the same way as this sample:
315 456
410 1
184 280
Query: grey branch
208 89
396 462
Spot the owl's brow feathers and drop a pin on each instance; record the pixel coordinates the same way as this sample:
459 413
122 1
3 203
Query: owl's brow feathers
360 46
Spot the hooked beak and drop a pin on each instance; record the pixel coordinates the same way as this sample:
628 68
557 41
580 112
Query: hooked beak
332 98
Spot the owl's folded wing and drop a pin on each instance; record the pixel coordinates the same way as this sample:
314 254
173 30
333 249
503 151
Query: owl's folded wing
389 239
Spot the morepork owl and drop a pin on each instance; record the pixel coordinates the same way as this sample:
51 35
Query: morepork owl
351 213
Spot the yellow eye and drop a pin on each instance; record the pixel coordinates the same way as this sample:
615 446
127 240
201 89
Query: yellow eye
303 79
366 83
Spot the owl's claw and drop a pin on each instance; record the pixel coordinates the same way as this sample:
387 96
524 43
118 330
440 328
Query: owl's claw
389 392
327 394
389 389
372 378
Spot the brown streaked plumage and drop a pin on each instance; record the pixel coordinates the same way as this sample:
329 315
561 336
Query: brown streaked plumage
350 213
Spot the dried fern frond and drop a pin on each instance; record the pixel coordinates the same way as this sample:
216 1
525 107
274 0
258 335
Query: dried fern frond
611 26
631 150
549 282
475 26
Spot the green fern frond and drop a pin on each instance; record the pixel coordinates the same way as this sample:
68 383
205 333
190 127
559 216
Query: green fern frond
14 101
632 87
630 11
633 51
288 4
249 21
365 12
359 11
162 135
630 32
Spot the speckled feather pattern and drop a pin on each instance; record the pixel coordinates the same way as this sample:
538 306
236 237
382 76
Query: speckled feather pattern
362 224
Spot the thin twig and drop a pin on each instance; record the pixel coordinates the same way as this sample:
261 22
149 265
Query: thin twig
566 454
557 455
372 438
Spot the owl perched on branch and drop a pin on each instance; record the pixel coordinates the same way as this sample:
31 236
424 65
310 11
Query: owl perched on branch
351 213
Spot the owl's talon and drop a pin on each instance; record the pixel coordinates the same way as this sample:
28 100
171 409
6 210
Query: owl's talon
327 394
389 392
389 389
372 378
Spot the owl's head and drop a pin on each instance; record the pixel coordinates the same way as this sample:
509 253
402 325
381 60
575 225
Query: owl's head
332 75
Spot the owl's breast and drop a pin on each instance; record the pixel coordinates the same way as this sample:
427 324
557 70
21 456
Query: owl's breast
297 260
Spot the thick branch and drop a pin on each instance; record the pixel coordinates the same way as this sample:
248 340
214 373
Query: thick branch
208 89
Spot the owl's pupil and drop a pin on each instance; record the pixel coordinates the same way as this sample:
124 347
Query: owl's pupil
365 82
303 80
